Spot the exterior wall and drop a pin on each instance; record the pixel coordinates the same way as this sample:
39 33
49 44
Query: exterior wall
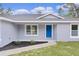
22 36
8 33
63 33
40 37
54 32
11 32
0 31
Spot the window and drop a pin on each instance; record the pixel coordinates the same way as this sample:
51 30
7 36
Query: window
28 29
34 29
74 30
31 29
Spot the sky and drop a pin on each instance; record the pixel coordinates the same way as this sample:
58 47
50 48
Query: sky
31 6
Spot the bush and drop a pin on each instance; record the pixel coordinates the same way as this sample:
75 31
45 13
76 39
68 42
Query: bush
32 42
17 42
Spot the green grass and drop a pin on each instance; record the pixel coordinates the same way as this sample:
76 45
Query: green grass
61 49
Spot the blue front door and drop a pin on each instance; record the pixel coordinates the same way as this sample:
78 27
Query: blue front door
48 31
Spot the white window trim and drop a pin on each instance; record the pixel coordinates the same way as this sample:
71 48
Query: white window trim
31 29
71 31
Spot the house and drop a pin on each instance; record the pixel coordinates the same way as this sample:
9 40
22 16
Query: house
38 27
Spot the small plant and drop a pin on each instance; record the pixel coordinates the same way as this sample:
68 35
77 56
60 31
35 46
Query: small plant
17 42
32 42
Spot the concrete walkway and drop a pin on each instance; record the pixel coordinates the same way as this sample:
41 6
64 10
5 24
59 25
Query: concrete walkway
19 50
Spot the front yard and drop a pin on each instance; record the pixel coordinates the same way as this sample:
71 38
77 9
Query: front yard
61 49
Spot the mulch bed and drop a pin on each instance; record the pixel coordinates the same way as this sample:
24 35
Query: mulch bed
13 45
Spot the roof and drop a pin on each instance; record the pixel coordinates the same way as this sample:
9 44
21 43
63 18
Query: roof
38 18
23 17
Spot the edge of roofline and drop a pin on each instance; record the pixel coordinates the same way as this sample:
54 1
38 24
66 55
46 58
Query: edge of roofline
6 19
47 21
50 14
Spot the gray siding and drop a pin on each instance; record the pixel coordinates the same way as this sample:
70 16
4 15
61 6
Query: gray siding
22 35
63 33
55 32
0 31
40 37
8 33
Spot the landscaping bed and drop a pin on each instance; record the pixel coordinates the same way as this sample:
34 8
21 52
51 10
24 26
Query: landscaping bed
14 45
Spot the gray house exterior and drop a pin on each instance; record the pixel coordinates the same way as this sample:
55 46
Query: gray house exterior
37 27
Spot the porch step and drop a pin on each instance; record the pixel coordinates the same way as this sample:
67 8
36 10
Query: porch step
52 42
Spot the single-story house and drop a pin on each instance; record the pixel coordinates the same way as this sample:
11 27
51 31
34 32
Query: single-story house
38 27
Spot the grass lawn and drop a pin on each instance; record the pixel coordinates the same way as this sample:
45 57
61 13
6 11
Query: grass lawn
61 49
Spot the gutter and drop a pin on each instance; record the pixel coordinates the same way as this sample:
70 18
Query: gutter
14 21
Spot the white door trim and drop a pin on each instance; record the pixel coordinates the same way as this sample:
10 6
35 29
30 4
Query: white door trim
45 31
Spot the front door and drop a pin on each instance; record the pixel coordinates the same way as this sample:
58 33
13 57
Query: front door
48 31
